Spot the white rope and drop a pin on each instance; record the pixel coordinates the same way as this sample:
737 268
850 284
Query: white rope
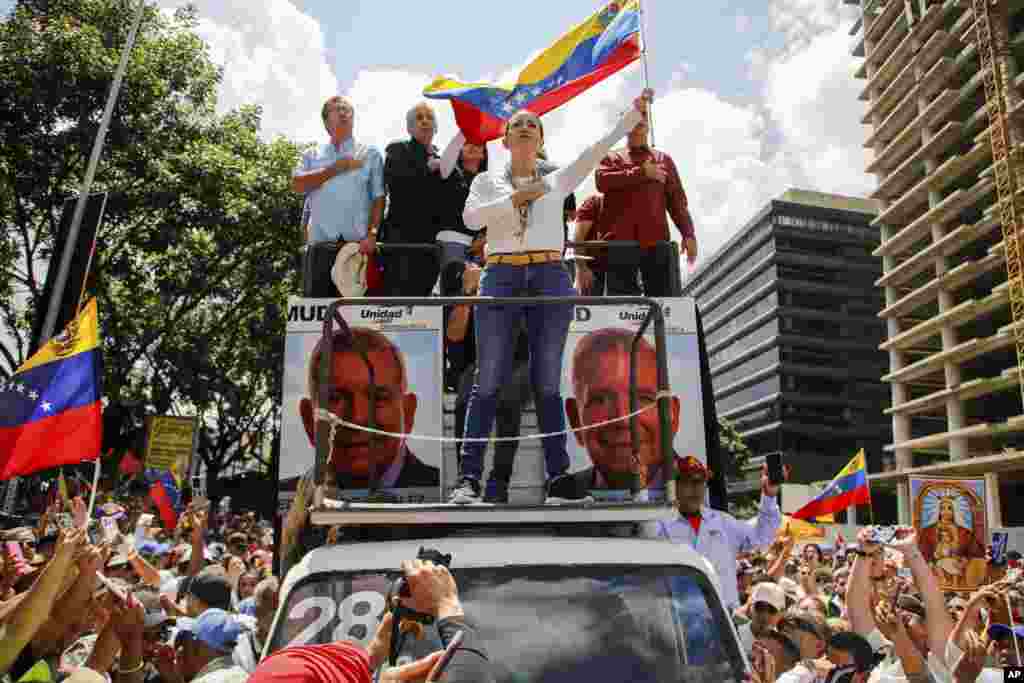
335 421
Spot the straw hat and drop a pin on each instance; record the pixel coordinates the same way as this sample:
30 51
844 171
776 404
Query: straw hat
349 271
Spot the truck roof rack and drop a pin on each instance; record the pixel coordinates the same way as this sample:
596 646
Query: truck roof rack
332 512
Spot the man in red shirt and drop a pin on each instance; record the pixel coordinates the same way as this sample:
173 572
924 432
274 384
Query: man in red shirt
640 185
590 264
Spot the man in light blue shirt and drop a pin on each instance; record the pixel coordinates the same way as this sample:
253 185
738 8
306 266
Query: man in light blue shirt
344 183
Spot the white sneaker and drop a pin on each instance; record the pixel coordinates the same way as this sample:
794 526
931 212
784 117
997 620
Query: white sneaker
466 493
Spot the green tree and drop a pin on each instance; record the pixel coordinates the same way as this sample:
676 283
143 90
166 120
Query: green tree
737 454
198 249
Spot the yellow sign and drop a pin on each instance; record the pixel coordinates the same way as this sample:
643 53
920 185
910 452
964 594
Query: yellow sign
169 443
800 530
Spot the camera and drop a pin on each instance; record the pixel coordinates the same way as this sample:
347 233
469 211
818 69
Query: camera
401 615
880 535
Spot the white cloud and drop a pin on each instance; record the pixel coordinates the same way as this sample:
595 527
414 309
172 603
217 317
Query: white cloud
804 131
800 21
811 97
273 55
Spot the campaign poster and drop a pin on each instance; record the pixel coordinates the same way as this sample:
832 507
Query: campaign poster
402 345
595 389
952 529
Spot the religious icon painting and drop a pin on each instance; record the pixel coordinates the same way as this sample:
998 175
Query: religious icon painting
952 529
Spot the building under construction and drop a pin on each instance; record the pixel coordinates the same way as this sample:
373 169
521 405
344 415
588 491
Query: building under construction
953 355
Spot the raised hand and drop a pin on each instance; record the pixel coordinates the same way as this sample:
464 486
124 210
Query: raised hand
78 511
432 588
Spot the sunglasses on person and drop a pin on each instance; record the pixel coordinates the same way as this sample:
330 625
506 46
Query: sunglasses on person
765 607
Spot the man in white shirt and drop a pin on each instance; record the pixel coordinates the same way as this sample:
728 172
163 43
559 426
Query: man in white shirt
718 536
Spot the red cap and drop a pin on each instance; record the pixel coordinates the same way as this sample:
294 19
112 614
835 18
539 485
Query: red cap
691 465
341 662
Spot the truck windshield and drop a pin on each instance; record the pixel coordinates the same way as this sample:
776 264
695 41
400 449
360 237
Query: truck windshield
598 624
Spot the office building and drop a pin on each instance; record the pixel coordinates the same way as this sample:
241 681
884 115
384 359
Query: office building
789 308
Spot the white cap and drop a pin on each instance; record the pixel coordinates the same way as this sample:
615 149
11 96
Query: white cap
349 271
770 593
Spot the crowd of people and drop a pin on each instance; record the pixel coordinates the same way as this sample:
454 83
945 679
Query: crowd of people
866 611
123 596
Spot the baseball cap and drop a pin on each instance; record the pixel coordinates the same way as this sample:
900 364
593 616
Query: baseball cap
329 663
213 589
769 593
1000 631
215 628
858 647
790 587
691 465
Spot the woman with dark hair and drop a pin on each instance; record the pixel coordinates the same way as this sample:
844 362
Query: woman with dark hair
524 213
454 237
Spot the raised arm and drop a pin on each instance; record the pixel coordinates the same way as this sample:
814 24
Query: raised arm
858 588
938 621
569 178
34 609
450 155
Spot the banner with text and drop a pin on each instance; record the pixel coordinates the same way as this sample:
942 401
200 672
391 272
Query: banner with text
170 441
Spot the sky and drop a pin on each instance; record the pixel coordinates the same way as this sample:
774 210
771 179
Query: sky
752 96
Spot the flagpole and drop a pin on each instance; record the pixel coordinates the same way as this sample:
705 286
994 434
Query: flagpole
83 194
644 67
95 485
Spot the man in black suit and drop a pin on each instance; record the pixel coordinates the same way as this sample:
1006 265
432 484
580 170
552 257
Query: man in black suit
600 379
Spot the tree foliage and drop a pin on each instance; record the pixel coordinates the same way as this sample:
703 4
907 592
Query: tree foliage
198 248
737 455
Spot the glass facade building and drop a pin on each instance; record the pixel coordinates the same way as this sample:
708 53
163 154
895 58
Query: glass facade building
790 313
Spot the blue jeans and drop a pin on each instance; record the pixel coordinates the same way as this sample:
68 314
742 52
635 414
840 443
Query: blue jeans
546 329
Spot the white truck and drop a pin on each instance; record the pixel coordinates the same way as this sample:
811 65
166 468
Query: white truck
557 594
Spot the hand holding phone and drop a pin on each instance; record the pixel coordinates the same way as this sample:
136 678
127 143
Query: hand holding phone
776 472
446 658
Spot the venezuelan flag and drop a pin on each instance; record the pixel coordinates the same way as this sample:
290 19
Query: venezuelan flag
50 412
603 44
850 487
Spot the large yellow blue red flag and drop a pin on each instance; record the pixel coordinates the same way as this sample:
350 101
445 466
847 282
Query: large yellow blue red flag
849 487
50 411
603 44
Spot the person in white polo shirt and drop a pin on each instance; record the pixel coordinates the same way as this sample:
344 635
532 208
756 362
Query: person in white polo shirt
718 536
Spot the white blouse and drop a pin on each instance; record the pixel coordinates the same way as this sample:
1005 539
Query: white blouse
490 200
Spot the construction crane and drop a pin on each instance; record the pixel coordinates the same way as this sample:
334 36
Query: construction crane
991 35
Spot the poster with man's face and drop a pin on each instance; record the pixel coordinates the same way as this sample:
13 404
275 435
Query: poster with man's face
595 388
399 347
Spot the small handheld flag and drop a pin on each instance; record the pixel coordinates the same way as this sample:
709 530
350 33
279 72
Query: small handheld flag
849 487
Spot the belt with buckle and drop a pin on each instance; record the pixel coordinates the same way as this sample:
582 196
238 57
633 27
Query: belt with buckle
525 258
